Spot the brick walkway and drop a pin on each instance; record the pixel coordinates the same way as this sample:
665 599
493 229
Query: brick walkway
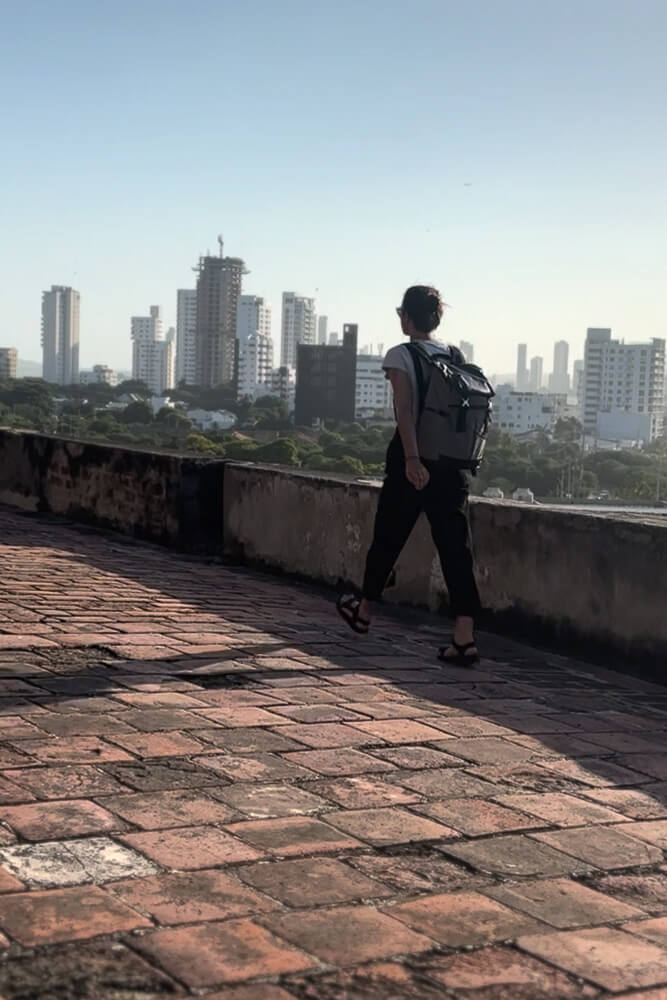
209 787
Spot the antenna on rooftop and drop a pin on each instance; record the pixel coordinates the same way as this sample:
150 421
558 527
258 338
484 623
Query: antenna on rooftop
220 244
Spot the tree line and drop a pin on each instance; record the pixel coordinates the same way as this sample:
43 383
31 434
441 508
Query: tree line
551 465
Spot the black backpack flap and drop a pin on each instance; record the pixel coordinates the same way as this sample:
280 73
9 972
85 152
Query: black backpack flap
420 358
472 381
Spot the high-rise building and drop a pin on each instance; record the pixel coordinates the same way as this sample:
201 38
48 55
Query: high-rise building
219 286
253 316
326 381
468 351
60 335
559 380
186 336
578 380
9 359
255 347
255 366
152 354
521 367
536 374
298 325
623 388
322 329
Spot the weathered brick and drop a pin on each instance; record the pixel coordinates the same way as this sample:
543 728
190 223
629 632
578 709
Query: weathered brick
191 897
311 882
191 847
348 934
563 903
226 953
461 919
266 801
611 958
602 847
388 826
160 810
34 918
65 818
476 817
515 854
293 835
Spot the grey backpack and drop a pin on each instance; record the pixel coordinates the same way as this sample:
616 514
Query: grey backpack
454 407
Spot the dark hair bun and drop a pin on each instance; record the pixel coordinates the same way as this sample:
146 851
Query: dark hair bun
423 305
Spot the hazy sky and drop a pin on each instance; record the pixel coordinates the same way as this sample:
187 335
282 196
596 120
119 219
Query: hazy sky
512 152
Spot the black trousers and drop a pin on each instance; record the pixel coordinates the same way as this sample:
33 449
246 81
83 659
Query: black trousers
445 503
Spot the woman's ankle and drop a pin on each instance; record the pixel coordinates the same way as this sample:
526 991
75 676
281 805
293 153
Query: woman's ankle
464 630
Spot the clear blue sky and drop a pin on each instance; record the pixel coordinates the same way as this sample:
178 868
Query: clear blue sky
513 152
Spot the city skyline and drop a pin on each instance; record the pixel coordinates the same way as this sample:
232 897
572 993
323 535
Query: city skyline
491 167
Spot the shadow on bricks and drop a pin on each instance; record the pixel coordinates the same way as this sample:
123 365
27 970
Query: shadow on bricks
201 767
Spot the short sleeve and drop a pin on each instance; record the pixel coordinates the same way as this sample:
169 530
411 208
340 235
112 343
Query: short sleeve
397 358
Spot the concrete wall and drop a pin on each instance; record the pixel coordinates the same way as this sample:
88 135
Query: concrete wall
596 580
162 498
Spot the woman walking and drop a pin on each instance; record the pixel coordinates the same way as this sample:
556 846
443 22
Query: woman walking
413 484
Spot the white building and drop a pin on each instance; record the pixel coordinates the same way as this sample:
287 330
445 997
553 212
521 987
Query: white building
468 351
623 388
212 420
60 335
521 412
322 330
521 380
98 375
559 380
536 374
9 359
255 347
253 316
186 336
373 393
298 325
152 355
255 370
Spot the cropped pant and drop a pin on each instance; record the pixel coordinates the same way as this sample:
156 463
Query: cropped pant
445 502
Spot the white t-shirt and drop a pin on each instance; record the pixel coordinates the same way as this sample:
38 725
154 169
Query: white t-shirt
400 359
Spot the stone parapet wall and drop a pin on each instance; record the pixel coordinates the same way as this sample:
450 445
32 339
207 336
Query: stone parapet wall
550 574
595 580
161 498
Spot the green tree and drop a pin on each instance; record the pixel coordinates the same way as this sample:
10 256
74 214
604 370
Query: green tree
203 446
282 451
173 420
136 413
133 387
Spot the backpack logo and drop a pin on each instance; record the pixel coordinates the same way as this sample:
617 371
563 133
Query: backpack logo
454 407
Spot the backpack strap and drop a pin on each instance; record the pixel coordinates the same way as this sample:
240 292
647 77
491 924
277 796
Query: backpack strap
419 355
422 384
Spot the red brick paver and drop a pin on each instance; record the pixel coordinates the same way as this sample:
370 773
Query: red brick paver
203 768
65 915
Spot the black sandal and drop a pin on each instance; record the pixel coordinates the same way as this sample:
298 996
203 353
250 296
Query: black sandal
348 606
462 657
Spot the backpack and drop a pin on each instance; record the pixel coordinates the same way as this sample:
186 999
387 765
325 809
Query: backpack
454 407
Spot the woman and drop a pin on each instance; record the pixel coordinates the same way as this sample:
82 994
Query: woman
412 485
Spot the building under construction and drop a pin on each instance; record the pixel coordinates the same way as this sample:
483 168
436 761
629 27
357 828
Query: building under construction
219 282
